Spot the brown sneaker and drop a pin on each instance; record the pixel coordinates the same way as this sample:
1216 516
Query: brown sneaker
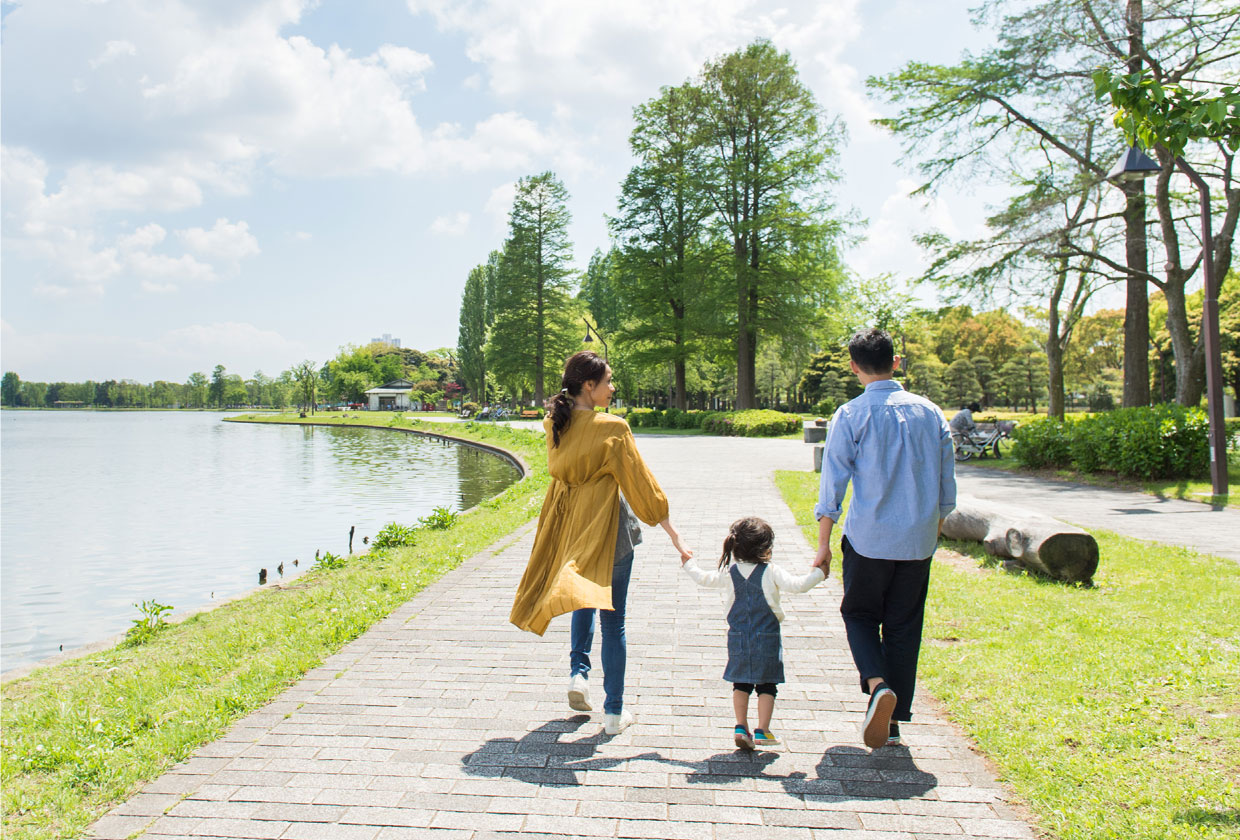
877 725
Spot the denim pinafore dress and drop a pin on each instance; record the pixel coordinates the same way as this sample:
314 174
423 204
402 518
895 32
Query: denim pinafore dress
755 651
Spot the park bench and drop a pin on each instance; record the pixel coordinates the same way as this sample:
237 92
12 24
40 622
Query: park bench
530 414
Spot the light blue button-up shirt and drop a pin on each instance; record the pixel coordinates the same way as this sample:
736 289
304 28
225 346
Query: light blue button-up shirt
896 448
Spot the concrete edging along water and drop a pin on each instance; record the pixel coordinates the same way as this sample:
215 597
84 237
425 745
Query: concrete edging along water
181 615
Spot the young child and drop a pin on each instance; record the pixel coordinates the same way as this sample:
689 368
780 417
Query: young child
752 584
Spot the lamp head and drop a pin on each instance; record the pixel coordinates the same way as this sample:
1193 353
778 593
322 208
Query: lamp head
1134 165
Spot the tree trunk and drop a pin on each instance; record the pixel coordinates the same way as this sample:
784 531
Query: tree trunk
1189 362
1033 540
1054 350
745 351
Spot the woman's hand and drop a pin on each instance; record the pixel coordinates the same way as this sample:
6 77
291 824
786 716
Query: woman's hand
686 553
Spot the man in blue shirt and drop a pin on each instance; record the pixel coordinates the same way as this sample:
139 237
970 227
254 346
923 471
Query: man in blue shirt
896 448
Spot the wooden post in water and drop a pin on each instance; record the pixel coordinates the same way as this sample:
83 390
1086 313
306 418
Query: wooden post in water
351 527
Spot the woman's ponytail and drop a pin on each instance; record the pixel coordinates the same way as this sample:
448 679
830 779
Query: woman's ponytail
580 368
561 407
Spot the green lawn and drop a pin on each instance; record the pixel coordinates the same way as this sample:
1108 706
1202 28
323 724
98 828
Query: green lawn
81 736
1113 712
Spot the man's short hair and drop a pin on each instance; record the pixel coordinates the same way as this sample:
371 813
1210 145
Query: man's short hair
872 350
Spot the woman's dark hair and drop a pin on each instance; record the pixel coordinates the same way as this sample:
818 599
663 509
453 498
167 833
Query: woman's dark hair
750 539
873 351
580 368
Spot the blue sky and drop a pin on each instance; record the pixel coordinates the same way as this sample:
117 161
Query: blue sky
255 183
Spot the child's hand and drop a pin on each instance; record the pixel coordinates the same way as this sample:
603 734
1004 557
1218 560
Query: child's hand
686 553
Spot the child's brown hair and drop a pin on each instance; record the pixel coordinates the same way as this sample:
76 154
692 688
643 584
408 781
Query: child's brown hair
750 539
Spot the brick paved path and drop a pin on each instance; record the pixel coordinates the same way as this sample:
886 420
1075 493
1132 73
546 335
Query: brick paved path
444 721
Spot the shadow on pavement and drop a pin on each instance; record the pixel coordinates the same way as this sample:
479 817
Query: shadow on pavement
544 756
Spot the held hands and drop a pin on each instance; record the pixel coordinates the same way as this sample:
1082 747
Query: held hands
822 559
685 553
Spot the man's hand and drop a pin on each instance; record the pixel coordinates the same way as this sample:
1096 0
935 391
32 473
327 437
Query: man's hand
823 559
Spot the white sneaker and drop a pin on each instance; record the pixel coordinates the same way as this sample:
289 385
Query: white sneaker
615 724
579 693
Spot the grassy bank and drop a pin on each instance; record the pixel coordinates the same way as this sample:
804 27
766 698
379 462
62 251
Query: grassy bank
1113 712
83 735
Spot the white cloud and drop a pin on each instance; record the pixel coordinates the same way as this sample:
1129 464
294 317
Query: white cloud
499 203
225 241
454 224
303 235
888 246
112 51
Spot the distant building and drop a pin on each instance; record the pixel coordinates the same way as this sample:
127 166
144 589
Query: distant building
386 339
394 396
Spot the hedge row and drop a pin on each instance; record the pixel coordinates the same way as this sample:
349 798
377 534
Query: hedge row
1163 441
752 423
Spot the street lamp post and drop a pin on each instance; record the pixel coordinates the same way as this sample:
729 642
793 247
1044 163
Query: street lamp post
588 339
1135 164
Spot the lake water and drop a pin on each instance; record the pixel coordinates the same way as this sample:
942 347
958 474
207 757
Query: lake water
99 510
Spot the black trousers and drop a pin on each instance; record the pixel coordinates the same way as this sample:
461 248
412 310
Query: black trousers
883 608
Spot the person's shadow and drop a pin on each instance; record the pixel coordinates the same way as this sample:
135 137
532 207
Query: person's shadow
546 756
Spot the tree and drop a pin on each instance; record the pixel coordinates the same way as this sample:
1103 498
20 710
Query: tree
532 284
196 390
472 332
766 150
216 392
961 381
984 370
664 263
306 376
1154 106
10 389
1023 375
1026 100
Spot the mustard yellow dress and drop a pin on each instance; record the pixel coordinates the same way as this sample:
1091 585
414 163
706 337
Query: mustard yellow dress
574 547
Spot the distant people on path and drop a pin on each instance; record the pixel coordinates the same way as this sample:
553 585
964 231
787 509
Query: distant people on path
751 584
962 422
583 548
896 449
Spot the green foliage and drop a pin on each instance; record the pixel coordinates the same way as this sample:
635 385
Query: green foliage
327 560
1164 441
752 423
151 622
473 331
440 519
535 326
1042 443
394 535
1158 113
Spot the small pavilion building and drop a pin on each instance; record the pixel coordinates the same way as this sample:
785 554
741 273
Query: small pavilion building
394 396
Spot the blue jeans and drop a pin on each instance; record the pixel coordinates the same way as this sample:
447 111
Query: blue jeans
614 648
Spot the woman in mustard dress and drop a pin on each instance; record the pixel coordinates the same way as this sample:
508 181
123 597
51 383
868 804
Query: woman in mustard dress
582 555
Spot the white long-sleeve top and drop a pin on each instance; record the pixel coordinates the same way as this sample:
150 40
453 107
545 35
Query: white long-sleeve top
775 580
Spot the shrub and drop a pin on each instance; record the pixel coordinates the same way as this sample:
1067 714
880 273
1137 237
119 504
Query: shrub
1042 443
471 408
1164 441
825 408
752 423
152 622
330 561
440 519
394 535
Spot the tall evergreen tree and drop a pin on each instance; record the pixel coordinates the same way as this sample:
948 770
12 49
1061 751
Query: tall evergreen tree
472 333
532 283
667 289
766 151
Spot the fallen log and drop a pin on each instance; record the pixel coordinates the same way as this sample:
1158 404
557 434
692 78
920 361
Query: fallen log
1036 542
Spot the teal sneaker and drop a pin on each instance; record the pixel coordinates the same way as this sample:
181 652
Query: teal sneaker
742 737
763 738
